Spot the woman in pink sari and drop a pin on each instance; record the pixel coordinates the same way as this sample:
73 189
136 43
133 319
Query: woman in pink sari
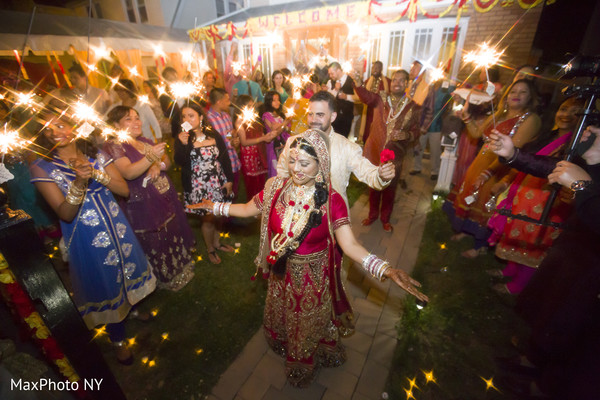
524 244
306 308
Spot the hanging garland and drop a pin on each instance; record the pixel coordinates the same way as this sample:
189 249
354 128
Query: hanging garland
40 333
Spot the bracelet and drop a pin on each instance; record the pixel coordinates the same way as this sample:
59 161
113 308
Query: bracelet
101 177
514 156
375 266
226 209
467 119
150 154
216 207
487 174
75 195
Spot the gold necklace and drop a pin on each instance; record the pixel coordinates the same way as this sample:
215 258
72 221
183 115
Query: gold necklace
299 206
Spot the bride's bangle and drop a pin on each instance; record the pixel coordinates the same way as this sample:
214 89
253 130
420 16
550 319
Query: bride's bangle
375 266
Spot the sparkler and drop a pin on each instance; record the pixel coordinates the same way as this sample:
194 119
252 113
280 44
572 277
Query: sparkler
101 52
436 74
290 113
162 89
10 140
85 112
133 71
122 136
184 90
25 99
248 115
143 98
484 57
347 67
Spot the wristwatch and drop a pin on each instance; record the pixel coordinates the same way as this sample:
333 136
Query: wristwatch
580 185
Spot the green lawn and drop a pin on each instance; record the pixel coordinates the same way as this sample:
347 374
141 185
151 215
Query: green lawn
462 329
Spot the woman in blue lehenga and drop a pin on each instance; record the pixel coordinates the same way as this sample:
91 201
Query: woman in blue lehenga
107 266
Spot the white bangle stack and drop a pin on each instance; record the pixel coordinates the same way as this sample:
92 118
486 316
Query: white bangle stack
221 209
375 266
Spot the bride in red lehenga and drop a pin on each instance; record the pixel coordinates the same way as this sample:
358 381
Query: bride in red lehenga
306 308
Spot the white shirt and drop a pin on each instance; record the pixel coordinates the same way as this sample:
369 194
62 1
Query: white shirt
334 92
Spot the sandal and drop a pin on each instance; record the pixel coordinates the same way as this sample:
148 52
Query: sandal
214 257
225 247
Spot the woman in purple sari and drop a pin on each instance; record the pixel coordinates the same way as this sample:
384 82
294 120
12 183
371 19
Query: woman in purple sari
275 121
153 209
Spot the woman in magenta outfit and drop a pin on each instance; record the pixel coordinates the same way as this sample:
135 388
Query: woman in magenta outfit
275 122
153 209
306 308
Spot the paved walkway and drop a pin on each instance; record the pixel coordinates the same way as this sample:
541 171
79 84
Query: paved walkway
258 373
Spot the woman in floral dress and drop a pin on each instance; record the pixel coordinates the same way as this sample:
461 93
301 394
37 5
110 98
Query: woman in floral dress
205 172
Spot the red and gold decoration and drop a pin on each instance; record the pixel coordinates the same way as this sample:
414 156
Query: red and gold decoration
21 304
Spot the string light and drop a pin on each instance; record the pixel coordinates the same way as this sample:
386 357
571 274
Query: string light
413 383
489 384
101 331
165 336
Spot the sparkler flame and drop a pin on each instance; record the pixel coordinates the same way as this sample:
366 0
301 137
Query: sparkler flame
24 99
133 71
144 99
184 90
236 67
10 140
122 136
85 112
347 67
436 74
290 112
484 57
248 115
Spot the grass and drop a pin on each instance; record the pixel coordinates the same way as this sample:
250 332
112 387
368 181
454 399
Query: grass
463 328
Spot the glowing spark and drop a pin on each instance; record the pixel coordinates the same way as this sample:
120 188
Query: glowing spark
2 97
409 394
354 30
101 52
442 246
154 312
50 256
55 248
151 363
84 112
199 258
248 115
144 360
165 336
428 376
186 56
143 98
25 99
162 89
484 57
313 62
114 81
236 251
9 141
131 341
489 383
199 351
183 90
347 67
122 136
322 41
226 235
133 71
436 74
296 82
305 79
413 383
236 67
100 332
107 132
202 64
158 51
85 130
91 67
221 234
290 112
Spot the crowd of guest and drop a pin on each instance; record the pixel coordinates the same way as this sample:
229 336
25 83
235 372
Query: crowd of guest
117 205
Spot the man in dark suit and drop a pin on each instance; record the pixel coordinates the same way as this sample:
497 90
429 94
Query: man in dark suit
340 85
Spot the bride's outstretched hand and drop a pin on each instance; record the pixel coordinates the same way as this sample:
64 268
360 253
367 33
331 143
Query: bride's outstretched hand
402 279
204 205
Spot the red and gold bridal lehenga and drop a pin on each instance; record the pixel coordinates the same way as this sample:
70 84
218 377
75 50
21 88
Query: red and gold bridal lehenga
306 310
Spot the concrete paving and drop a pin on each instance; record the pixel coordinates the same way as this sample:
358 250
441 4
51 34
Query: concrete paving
258 373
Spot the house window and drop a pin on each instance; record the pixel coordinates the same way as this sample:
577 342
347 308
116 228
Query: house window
130 10
264 49
225 7
141 5
422 43
446 47
220 8
396 49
